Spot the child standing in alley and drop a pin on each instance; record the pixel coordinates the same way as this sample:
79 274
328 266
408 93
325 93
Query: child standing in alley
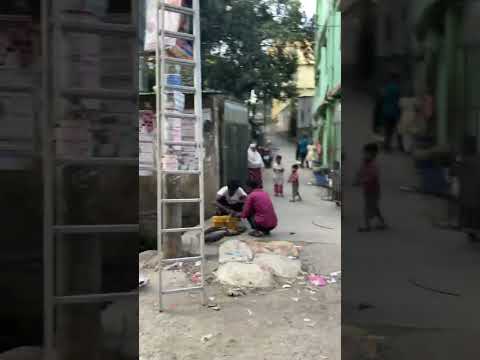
278 179
368 177
294 180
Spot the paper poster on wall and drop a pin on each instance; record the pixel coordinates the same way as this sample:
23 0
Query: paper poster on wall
175 22
146 142
180 157
172 20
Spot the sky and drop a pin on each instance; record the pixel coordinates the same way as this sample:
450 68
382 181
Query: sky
309 7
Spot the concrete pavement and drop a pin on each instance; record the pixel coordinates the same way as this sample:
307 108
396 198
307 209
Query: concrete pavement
395 271
293 323
301 217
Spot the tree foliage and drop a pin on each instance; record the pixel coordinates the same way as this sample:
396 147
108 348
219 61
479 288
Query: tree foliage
245 46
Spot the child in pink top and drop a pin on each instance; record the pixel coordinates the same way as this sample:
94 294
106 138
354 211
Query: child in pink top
295 181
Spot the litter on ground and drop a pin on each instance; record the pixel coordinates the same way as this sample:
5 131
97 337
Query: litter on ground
317 280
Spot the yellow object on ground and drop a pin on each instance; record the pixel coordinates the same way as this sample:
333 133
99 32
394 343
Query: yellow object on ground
227 221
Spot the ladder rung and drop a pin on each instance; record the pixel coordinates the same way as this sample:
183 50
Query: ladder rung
15 88
181 143
172 261
15 18
180 172
183 89
168 59
180 201
94 298
180 115
178 35
99 161
96 27
101 94
177 230
147 52
96 229
175 291
179 61
178 9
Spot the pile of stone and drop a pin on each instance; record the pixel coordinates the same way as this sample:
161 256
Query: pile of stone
255 264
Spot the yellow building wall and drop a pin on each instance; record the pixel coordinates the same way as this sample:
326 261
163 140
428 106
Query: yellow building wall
304 88
305 79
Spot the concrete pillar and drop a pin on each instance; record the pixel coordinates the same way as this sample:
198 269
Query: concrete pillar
446 70
326 137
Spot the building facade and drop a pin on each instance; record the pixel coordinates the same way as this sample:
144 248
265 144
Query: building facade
326 108
287 115
447 57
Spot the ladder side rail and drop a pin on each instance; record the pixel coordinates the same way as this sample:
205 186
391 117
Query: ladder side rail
159 76
47 174
199 136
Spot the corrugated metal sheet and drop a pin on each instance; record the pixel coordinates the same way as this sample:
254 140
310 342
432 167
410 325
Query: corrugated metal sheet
235 141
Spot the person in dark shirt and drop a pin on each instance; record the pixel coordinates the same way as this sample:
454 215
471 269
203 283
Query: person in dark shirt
302 150
391 110
369 179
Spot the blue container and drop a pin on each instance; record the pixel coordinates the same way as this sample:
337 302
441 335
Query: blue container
321 179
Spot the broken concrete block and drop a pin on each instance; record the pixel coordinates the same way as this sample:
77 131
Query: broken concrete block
234 251
244 275
191 242
278 265
147 260
284 248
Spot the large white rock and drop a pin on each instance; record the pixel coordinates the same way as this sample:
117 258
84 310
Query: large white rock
234 251
191 242
120 328
244 275
278 265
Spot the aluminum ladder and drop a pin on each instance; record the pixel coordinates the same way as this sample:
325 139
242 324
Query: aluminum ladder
162 117
54 28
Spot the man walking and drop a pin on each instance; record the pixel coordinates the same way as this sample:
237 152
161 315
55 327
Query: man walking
391 111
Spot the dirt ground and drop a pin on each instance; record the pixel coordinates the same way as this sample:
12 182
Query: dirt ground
276 324
280 323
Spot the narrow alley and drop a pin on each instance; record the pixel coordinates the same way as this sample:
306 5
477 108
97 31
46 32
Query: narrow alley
288 322
414 282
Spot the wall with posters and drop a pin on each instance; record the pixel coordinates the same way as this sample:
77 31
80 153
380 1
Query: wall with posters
17 92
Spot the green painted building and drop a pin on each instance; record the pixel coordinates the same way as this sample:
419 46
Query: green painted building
450 54
328 68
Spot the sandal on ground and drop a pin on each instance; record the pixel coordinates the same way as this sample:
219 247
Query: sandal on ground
256 233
